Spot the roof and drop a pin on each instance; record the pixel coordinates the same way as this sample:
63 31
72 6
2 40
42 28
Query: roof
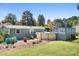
65 28
23 27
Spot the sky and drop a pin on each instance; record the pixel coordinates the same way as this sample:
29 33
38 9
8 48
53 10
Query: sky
49 10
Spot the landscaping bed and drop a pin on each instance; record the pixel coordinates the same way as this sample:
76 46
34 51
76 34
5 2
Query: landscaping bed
21 44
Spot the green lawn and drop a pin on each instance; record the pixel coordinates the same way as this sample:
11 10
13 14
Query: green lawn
54 48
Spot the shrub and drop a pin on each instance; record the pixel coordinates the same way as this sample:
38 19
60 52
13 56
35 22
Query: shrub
25 39
6 46
13 46
1 38
33 42
13 41
47 29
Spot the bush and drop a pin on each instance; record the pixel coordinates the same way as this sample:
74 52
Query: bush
13 41
1 38
47 29
25 39
76 41
6 46
33 42
13 46
32 36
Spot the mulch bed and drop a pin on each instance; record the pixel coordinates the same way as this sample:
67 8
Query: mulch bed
21 44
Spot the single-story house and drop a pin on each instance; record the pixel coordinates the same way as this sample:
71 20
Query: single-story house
63 33
21 31
77 31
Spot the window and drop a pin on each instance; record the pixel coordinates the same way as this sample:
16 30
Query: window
61 30
17 31
8 31
31 31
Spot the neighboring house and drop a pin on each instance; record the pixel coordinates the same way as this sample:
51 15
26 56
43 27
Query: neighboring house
64 33
77 31
21 31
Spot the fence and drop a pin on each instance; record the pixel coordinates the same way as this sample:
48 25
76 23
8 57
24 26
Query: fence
46 35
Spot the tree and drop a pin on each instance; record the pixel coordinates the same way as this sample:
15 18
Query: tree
72 21
77 7
10 18
23 22
34 22
69 22
41 20
18 23
59 22
50 24
27 18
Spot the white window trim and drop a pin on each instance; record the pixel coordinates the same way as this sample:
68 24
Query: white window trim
31 30
9 31
16 30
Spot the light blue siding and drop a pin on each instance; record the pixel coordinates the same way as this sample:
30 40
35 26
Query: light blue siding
24 32
64 33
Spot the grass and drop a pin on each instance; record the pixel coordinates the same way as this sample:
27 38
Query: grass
54 48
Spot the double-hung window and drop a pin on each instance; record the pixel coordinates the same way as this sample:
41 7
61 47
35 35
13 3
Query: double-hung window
18 31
